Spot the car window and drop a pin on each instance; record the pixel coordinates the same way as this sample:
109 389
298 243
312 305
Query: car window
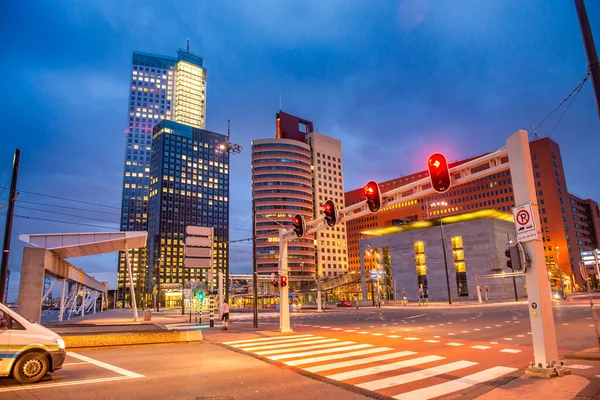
15 325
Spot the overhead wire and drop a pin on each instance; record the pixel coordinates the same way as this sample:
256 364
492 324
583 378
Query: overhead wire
67 199
60 222
67 214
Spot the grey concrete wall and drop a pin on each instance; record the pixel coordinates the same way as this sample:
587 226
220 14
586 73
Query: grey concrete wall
484 242
32 283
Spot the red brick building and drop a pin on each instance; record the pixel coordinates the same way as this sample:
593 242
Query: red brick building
569 224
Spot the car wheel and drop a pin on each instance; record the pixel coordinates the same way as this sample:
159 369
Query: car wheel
31 368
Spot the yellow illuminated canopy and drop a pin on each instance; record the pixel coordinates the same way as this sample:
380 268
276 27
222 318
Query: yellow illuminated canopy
453 219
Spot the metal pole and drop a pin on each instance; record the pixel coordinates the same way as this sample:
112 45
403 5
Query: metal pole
284 305
220 295
254 271
478 289
445 263
183 287
590 49
319 301
131 289
62 300
545 349
157 286
594 316
8 227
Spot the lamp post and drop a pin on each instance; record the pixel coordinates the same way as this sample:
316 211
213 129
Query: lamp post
443 204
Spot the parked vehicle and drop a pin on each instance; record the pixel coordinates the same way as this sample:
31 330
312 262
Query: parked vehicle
28 351
559 295
344 303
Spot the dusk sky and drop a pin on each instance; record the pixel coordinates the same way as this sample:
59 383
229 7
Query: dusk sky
393 80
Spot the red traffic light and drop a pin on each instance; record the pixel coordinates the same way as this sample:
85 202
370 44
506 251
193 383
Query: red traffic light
299 225
439 172
283 279
331 214
373 195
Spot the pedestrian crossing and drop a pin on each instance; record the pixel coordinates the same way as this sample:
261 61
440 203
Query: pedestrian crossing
405 374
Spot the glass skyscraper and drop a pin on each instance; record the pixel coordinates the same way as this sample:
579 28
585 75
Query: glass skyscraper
189 185
161 88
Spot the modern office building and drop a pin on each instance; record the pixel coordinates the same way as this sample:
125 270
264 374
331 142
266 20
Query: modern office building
161 88
328 180
281 188
568 224
295 173
189 185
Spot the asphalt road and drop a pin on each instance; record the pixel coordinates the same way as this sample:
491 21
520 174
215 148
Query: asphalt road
408 352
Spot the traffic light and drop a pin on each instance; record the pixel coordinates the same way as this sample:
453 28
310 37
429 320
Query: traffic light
299 225
274 281
439 173
283 279
331 214
201 295
514 258
373 195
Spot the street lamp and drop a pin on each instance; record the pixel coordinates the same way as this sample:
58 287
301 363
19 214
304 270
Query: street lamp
443 204
227 147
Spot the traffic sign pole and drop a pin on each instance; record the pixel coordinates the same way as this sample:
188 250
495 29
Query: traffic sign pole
538 287
284 300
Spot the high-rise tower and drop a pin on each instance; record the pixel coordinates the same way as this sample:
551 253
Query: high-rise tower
161 88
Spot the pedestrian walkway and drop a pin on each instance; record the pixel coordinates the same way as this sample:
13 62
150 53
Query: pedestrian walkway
401 374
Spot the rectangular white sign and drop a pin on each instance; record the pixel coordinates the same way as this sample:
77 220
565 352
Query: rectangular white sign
525 216
198 241
197 262
198 230
202 252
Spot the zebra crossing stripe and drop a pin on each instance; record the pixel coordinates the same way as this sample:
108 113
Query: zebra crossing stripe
284 345
383 368
315 352
264 339
416 375
455 384
302 339
350 363
318 346
337 356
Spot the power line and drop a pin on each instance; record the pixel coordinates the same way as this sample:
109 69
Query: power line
567 108
575 90
61 222
67 214
67 207
67 199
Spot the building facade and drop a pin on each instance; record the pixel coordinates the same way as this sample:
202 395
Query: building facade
474 244
328 181
556 207
281 188
189 185
288 126
161 88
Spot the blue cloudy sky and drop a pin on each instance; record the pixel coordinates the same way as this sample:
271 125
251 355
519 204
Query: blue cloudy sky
394 80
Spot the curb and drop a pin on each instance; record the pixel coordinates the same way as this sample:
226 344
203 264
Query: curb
129 339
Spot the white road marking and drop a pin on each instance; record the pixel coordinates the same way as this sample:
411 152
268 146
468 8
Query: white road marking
324 327
455 344
265 343
315 352
512 351
265 339
478 347
393 336
580 366
337 356
376 334
286 345
59 384
455 385
289 350
431 341
383 368
437 337
350 330
488 327
359 361
337 329
363 332
497 326
415 376
104 365
565 324
520 335
464 331
493 342
476 329
450 334
507 338
412 338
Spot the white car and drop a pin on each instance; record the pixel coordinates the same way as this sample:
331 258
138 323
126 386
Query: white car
28 351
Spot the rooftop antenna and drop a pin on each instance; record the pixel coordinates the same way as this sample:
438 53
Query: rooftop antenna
188 45
279 101
228 130
534 133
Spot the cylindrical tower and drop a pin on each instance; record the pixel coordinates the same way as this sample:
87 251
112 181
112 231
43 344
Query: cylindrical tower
281 188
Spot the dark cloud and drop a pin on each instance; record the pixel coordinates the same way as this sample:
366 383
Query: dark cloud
394 81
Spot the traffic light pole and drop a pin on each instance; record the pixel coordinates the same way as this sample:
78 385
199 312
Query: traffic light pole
284 300
545 349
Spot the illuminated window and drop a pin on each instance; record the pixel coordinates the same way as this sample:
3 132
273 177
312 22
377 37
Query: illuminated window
460 268
421 265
